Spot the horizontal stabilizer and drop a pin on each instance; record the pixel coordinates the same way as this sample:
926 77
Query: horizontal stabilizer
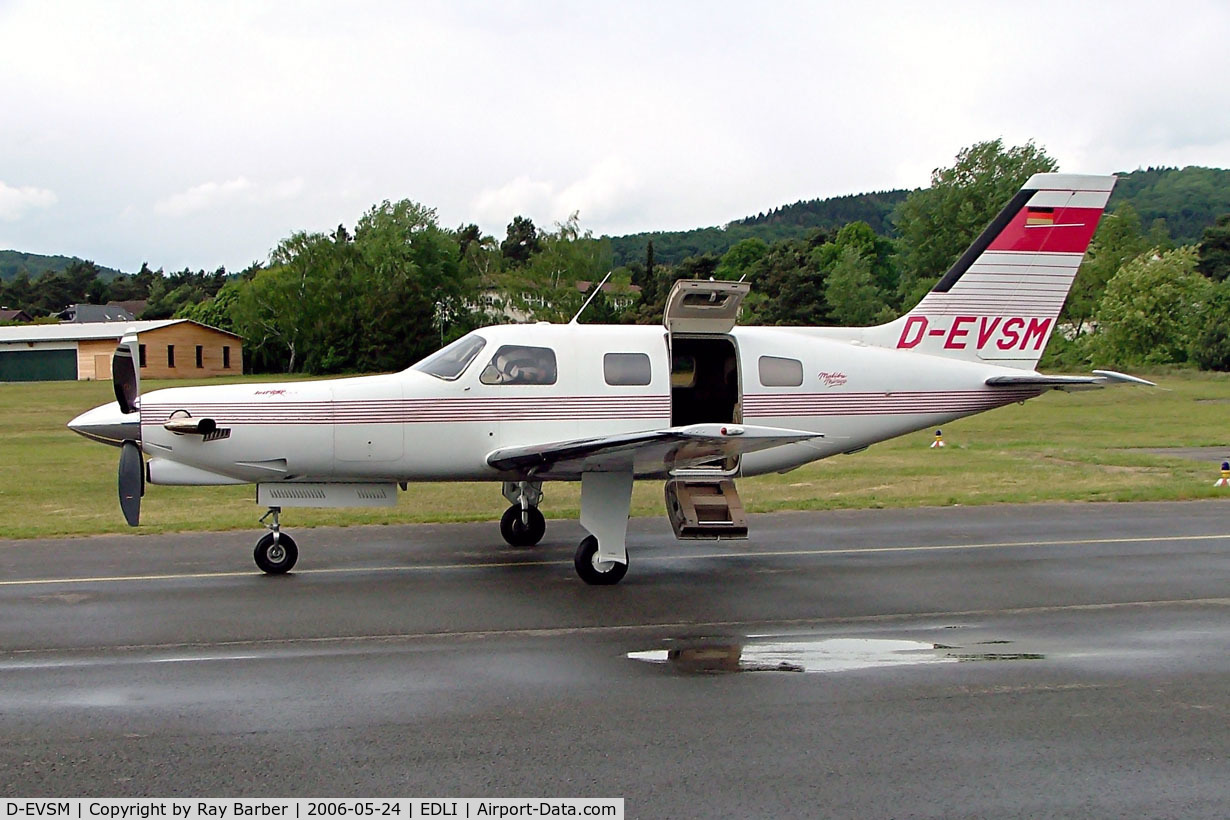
1100 378
650 453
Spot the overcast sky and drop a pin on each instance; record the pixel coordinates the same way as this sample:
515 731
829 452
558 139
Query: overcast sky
201 133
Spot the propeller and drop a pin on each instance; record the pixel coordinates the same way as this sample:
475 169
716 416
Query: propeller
124 377
131 481
127 383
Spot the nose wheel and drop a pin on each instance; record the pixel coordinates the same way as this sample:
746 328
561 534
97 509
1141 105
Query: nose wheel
276 552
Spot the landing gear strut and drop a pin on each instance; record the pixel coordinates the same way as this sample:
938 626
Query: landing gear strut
602 558
276 552
522 524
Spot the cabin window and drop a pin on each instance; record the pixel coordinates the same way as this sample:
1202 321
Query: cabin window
170 355
518 364
226 357
626 368
450 362
200 356
141 354
778 372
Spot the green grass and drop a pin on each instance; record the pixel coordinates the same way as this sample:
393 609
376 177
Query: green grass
1060 447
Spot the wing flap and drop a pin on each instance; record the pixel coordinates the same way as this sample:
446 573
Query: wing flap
647 453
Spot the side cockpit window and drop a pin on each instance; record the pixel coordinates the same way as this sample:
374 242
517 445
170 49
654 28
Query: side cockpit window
518 364
450 362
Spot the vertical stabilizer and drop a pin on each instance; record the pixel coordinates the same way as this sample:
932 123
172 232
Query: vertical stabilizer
1000 301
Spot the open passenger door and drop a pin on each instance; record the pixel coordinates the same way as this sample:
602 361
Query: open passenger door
704 307
701 500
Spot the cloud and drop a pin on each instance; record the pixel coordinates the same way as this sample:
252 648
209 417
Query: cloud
202 197
606 191
214 195
14 202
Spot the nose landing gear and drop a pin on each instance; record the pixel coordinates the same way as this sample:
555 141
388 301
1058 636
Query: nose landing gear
276 552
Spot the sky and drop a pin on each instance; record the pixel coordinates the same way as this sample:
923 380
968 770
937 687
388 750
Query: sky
200 134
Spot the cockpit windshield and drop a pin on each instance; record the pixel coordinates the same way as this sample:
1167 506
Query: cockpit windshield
450 362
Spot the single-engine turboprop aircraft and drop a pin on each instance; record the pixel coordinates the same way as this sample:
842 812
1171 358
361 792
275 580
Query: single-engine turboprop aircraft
694 404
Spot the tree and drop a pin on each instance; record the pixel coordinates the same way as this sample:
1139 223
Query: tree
405 287
738 261
858 237
1152 310
19 293
1210 348
795 283
467 234
281 311
480 257
1214 250
1118 240
217 311
565 256
938 223
522 241
703 266
850 290
649 284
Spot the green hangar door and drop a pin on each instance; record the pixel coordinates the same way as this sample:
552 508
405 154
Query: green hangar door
38 365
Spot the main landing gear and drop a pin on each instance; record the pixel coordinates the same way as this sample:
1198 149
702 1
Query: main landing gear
601 558
606 498
523 524
276 552
594 571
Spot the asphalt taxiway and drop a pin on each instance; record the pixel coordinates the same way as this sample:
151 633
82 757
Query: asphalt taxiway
1047 660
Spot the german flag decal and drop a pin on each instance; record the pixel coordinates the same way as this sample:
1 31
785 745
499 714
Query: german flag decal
1039 216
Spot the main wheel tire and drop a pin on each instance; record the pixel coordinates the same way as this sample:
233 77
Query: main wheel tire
520 533
593 571
276 557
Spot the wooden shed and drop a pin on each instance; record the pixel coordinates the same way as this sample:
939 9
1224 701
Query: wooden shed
169 349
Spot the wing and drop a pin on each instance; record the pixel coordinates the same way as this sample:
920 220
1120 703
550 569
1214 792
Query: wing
655 452
1100 378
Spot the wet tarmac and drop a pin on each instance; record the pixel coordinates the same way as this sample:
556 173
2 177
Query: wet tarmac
1056 660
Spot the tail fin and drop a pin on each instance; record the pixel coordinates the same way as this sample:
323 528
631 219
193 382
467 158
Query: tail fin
1001 300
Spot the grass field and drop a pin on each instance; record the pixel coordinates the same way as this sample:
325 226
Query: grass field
1060 447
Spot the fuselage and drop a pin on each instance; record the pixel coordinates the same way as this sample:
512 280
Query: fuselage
416 426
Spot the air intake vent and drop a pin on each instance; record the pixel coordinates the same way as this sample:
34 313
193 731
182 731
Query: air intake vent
315 494
296 492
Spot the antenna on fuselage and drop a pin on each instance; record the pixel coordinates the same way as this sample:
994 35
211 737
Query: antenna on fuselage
597 290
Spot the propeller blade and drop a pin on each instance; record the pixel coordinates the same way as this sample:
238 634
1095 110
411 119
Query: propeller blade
131 481
124 375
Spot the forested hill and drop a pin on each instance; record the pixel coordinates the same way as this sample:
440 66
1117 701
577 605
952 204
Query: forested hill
14 263
1188 199
783 222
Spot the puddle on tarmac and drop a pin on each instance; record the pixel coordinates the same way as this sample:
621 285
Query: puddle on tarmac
817 655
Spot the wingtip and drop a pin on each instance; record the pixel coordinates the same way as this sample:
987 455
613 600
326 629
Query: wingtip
1115 376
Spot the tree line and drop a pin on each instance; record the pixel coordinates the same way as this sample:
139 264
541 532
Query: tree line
398 285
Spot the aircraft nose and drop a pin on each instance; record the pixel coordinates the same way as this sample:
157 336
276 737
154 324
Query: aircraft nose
107 425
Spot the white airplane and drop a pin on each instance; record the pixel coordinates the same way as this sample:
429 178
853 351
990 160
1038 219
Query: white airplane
695 404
